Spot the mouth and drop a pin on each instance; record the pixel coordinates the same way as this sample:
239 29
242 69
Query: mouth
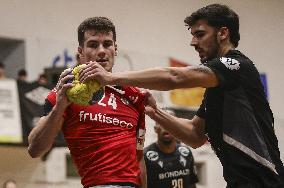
102 61
166 134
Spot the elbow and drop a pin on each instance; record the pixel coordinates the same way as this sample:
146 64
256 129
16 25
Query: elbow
33 153
32 150
198 144
177 81
36 151
173 83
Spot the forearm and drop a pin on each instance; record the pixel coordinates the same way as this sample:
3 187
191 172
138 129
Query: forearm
43 134
167 78
183 129
156 78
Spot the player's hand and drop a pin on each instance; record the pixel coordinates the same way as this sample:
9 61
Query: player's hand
94 71
62 85
151 104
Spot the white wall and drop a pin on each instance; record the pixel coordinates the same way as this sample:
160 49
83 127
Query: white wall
151 28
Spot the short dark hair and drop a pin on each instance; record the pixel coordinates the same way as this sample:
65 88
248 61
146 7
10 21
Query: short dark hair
2 65
100 24
22 72
217 16
43 75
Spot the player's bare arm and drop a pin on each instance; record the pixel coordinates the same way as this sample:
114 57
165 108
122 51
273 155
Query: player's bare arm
157 78
43 134
191 132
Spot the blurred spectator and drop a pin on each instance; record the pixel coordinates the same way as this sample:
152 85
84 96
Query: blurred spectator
42 80
22 75
10 184
2 71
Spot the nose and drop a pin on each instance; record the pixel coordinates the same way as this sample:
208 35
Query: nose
101 51
193 41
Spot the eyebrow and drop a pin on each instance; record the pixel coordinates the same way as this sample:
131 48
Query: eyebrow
107 40
197 32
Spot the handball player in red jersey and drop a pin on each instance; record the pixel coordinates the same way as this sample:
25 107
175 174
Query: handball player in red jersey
106 138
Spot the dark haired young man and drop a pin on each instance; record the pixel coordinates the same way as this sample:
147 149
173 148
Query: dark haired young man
106 138
234 116
22 75
168 162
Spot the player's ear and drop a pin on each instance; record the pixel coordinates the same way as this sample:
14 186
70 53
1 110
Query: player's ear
80 51
80 55
223 33
116 50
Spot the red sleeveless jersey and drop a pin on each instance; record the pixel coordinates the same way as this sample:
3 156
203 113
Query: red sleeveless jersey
103 137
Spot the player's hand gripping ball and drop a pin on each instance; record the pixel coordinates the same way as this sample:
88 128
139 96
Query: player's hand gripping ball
82 93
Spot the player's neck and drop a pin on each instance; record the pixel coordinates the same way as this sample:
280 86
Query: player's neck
224 49
167 148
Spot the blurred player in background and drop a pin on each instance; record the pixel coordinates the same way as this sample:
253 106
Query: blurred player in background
22 75
106 138
169 164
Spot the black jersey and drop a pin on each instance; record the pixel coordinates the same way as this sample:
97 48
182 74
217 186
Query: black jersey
239 123
174 170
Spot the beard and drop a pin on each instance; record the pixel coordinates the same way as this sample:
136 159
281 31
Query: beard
213 50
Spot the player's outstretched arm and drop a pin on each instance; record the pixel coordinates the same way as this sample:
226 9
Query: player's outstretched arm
168 78
190 132
156 78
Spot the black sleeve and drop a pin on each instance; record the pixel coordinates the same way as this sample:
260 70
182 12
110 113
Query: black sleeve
228 70
47 107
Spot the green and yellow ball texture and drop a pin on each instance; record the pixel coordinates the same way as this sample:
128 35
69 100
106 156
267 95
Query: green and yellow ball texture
81 93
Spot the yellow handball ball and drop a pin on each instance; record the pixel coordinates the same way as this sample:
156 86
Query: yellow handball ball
82 93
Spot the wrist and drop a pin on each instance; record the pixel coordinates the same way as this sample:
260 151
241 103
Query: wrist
114 79
58 109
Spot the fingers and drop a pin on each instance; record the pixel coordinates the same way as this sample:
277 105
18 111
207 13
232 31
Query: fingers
61 97
64 73
66 86
150 100
90 71
64 78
